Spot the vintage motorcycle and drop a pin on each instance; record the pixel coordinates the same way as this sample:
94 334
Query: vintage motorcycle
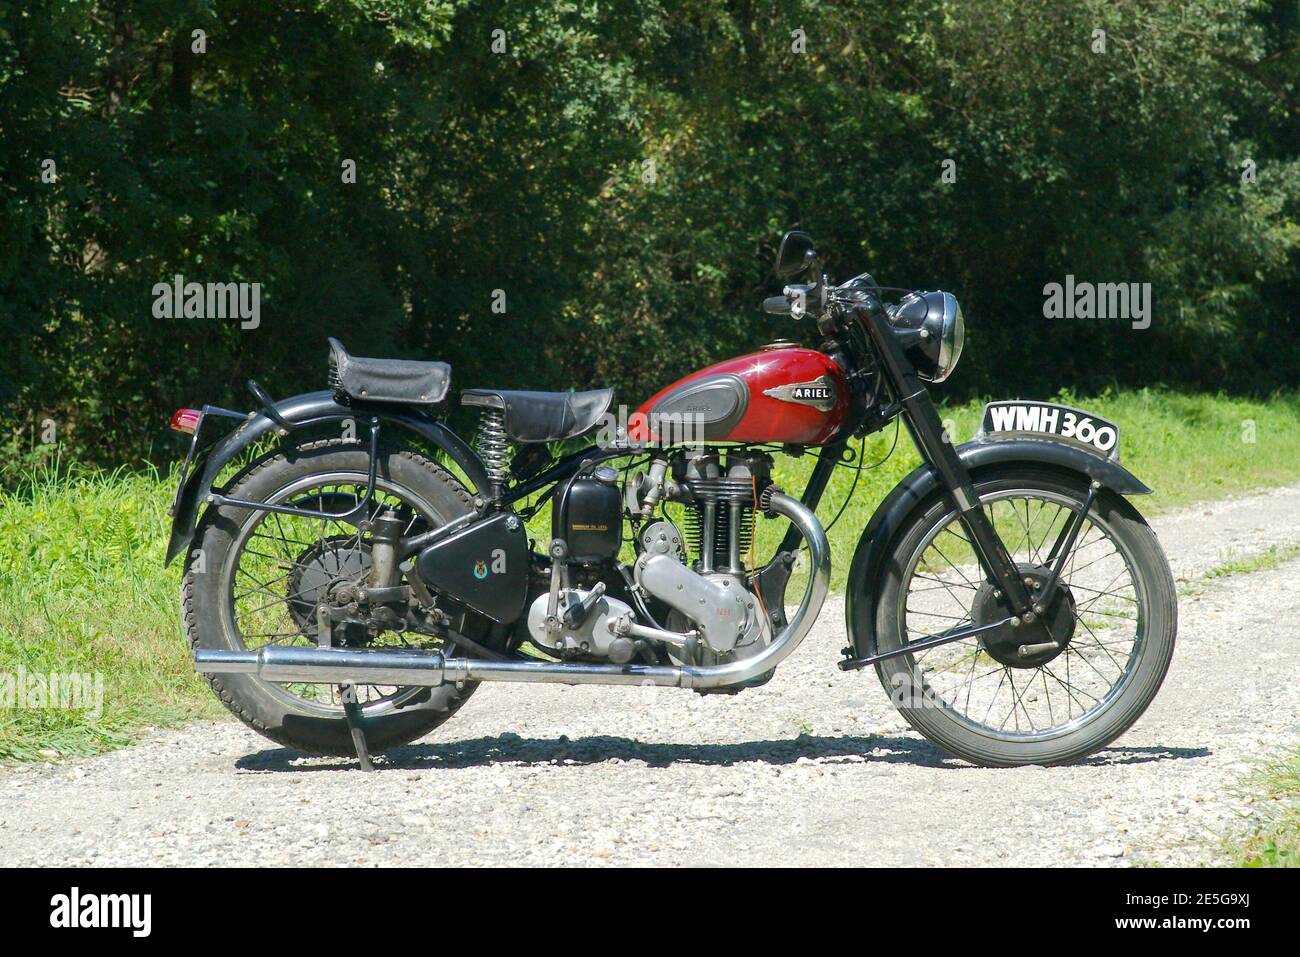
364 568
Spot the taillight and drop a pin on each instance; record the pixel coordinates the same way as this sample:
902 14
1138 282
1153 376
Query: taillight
186 420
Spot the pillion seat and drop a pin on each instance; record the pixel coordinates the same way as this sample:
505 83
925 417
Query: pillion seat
387 380
542 416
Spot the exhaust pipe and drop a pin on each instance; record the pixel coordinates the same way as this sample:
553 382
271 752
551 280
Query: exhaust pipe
431 668
327 665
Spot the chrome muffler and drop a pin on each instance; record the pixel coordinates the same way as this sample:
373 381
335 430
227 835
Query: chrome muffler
429 668
326 665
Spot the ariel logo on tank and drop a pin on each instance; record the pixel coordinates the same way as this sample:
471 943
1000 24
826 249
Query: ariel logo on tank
498 567
819 393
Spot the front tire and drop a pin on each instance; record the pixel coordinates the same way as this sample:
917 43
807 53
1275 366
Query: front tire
983 698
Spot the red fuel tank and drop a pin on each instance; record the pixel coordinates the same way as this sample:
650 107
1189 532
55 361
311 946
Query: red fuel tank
782 393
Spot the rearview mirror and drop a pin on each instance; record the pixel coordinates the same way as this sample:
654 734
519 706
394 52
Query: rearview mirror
796 254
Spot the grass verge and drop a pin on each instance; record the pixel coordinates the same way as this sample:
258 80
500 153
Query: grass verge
86 603
1277 842
83 590
1269 558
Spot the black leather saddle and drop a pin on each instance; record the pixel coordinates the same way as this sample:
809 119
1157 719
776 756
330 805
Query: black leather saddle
543 416
388 380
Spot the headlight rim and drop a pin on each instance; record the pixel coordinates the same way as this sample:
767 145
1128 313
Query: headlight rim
952 337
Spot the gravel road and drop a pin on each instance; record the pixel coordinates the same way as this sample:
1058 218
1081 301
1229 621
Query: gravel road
814 768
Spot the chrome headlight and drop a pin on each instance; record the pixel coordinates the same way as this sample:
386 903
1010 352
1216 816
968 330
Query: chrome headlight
951 337
936 329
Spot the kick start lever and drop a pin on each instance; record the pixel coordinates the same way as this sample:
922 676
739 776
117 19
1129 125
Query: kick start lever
576 612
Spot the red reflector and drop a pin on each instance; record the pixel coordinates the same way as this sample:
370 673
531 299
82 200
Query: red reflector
186 420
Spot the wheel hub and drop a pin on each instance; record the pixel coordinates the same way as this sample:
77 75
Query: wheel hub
324 572
1004 644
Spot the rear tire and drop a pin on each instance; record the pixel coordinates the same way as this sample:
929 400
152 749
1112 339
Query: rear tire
937 713
206 601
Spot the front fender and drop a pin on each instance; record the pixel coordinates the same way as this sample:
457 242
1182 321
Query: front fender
875 547
313 407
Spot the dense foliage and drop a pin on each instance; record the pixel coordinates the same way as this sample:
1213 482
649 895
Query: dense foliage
616 175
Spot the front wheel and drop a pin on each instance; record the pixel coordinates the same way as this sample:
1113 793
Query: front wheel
1000 698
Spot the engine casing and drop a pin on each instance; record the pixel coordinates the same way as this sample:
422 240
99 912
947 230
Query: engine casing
594 636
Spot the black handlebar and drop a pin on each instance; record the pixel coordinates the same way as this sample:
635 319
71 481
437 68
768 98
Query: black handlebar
777 305
782 305
856 295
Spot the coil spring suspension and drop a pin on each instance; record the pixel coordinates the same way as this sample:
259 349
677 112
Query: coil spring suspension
494 448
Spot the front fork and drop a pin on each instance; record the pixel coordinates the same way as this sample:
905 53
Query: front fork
937 450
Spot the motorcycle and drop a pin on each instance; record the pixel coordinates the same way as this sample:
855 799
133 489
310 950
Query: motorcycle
365 568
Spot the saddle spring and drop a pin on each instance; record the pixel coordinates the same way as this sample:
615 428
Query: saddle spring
494 448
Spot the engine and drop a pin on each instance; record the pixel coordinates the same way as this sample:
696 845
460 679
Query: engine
686 596
720 506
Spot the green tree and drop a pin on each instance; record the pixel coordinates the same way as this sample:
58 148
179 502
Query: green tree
617 176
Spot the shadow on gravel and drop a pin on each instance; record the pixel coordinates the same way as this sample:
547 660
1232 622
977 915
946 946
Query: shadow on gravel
1142 755
511 749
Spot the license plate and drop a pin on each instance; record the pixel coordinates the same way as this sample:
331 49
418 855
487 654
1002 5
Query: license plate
1059 421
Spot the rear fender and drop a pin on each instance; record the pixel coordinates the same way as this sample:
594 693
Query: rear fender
876 546
310 408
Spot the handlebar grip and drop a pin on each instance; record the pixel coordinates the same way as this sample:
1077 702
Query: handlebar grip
777 305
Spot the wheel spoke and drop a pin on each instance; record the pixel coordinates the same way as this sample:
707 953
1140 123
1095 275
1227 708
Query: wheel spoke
1025 700
283 565
954 567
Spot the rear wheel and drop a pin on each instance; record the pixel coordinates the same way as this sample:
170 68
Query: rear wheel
261 576
1002 698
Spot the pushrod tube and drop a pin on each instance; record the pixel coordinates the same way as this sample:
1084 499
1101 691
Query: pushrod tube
422 668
